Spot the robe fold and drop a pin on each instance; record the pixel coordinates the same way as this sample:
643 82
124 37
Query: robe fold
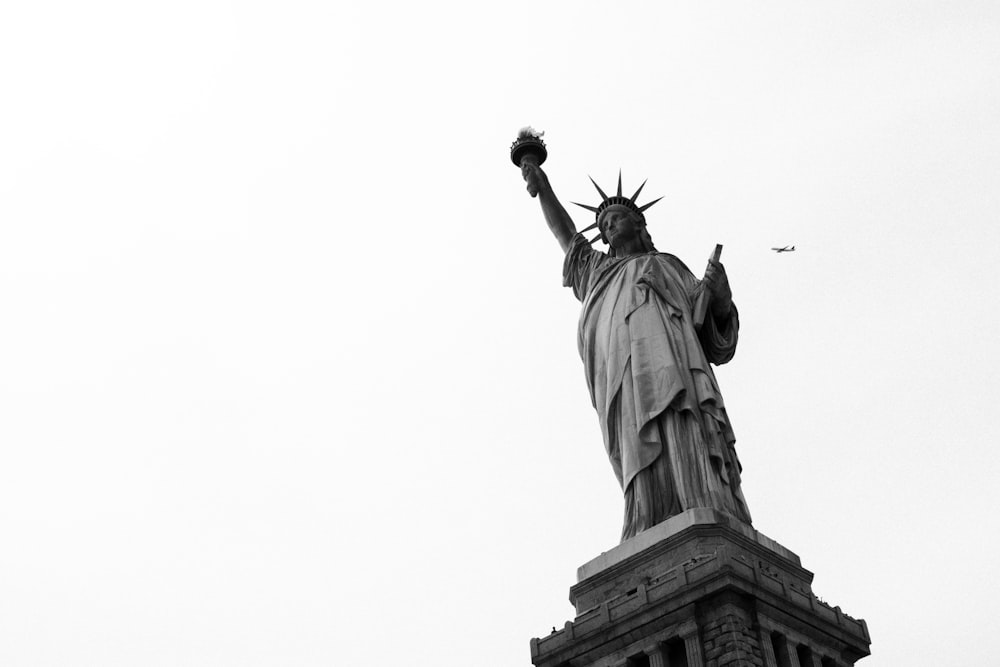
664 423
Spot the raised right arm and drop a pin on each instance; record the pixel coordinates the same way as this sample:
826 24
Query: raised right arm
555 215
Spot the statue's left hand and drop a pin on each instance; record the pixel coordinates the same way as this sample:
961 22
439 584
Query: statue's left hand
717 284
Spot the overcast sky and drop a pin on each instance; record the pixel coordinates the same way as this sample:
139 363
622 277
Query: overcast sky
288 376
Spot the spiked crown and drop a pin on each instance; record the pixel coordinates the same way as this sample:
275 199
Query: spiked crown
616 200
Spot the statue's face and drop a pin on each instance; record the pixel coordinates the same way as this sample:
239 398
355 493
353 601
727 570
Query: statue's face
619 224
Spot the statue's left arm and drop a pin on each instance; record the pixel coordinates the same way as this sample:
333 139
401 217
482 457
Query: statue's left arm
720 296
720 331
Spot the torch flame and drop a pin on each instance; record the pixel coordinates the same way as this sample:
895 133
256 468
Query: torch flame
529 132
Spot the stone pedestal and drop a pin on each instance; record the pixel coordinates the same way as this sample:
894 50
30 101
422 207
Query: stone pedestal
700 590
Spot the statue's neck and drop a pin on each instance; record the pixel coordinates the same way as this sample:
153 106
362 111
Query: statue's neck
632 247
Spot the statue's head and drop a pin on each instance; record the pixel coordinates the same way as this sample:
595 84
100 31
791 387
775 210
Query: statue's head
620 219
619 224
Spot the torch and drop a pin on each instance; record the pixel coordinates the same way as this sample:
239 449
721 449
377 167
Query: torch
528 148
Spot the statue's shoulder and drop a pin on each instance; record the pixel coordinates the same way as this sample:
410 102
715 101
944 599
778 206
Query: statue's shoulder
674 261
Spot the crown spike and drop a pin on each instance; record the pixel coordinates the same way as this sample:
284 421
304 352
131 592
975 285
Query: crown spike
603 196
645 206
595 239
587 229
636 195
617 200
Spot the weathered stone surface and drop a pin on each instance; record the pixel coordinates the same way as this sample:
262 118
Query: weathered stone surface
715 590
688 539
671 527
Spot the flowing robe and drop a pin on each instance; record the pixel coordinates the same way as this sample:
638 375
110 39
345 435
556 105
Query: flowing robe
664 423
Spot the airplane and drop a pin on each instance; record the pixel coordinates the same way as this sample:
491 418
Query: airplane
787 248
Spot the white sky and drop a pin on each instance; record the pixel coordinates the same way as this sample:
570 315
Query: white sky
287 375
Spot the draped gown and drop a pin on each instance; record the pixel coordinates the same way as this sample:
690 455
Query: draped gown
665 426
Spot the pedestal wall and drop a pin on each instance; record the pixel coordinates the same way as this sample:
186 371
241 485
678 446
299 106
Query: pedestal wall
700 589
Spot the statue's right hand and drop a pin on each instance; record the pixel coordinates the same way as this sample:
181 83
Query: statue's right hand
534 177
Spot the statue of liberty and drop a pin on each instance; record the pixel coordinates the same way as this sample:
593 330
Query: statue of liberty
647 357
